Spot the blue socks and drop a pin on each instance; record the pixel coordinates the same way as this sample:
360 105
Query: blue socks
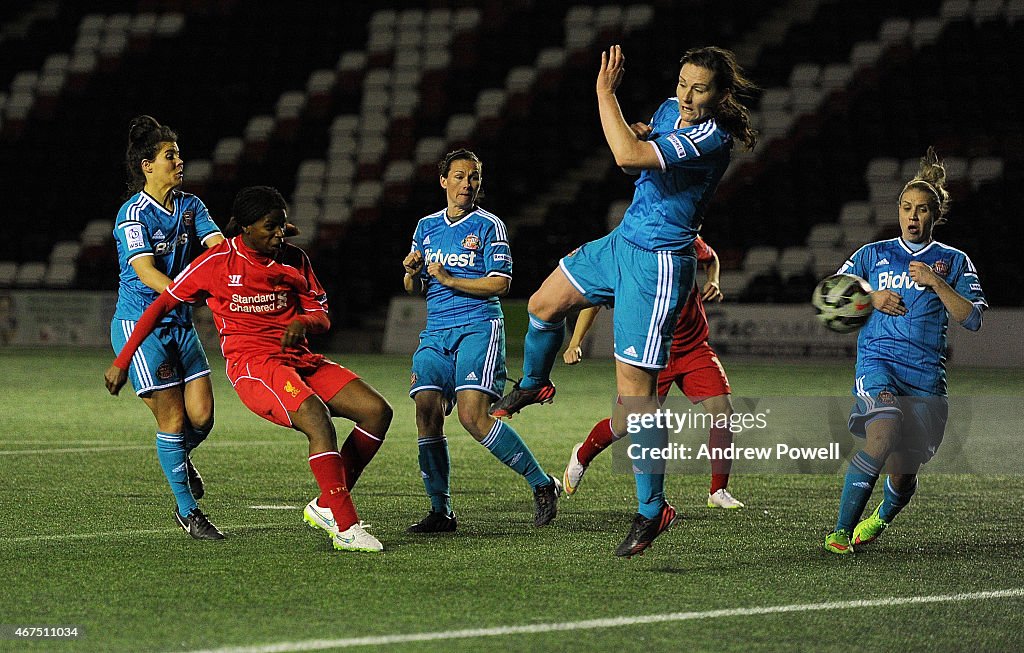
860 481
435 468
543 340
650 473
509 448
894 502
170 450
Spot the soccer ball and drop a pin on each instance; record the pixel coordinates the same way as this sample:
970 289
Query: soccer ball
843 302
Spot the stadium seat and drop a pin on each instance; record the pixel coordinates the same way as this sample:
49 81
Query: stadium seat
732 283
30 275
776 99
59 275
855 214
824 234
8 272
795 261
986 10
985 169
894 31
925 31
760 259
882 169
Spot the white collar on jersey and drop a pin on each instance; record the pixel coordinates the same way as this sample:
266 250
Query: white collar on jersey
452 223
906 247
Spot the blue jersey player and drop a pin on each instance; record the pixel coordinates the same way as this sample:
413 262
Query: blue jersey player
900 381
157 232
645 266
460 259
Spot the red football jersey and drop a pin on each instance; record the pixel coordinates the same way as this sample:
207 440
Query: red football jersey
253 297
692 326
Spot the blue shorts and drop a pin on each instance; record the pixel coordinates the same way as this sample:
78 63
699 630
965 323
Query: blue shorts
647 288
469 357
171 355
882 394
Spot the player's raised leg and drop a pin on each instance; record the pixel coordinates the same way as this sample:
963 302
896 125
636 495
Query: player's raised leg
555 299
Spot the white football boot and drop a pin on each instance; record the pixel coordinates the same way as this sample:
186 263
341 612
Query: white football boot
320 517
357 539
574 472
722 499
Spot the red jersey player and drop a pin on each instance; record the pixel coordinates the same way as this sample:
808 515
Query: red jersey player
265 298
692 365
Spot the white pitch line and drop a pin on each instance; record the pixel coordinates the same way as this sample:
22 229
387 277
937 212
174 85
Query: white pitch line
592 624
135 447
274 507
61 537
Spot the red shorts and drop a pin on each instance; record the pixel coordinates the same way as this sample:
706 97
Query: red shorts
274 386
697 373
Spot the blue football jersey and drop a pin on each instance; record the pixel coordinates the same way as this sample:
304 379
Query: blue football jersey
913 346
668 204
475 245
145 228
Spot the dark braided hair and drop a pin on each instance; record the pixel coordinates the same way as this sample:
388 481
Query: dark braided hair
731 114
145 135
251 204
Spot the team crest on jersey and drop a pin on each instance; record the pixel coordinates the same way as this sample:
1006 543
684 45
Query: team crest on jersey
472 241
290 389
887 398
188 218
941 267
164 372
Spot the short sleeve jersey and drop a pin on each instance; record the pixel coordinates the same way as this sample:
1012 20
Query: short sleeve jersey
669 203
913 346
145 228
692 326
253 297
474 246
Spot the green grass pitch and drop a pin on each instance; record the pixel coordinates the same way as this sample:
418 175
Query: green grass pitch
87 537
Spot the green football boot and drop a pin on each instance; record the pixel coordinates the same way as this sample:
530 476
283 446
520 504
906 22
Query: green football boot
839 542
869 529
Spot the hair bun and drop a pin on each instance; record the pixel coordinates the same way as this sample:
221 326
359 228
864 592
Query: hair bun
931 169
140 127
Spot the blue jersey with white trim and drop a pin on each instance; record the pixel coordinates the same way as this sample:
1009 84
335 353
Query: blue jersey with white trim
475 245
145 228
668 204
912 346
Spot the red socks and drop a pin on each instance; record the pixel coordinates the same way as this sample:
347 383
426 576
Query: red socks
330 476
357 452
718 440
601 436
